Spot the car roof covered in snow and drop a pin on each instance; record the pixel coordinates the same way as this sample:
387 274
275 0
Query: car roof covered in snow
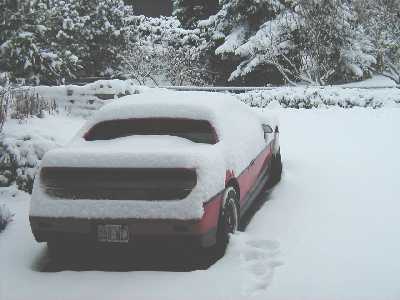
165 103
226 113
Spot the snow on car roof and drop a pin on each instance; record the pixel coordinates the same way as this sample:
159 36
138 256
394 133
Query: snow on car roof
236 124
227 114
165 103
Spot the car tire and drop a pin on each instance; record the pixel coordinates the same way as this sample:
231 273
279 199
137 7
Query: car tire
229 219
276 168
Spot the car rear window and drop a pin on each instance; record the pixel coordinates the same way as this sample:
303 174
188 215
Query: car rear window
198 131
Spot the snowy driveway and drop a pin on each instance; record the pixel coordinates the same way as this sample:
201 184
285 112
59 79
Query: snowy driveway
330 229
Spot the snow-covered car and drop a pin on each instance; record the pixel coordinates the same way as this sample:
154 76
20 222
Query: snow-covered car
175 165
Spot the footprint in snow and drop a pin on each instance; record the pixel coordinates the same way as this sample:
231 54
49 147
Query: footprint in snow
258 259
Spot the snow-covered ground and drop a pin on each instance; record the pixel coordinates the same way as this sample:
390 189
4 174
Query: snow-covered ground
376 81
329 229
335 213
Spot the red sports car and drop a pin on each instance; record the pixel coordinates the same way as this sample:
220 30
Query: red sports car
158 165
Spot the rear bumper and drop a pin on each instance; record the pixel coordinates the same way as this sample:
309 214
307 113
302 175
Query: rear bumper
70 229
200 232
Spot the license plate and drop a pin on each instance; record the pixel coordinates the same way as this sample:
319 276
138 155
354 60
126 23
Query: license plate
113 233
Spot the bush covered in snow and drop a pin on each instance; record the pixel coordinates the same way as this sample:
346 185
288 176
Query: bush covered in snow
20 154
27 49
314 97
93 31
159 50
5 217
49 41
20 157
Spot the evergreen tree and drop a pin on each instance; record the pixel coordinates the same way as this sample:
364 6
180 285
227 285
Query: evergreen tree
43 43
381 20
240 38
189 12
26 50
94 31
334 46
275 41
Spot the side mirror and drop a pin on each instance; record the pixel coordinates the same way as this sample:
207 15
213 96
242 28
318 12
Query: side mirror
267 128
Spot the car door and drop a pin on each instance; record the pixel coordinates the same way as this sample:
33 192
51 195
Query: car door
254 173
259 164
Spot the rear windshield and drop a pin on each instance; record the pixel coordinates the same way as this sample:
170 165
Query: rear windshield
198 131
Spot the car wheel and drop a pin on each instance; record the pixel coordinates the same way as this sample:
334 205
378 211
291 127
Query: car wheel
229 218
276 168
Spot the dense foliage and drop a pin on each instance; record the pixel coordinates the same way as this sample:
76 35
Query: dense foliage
281 41
237 42
49 41
26 49
159 51
94 31
189 12
5 216
381 20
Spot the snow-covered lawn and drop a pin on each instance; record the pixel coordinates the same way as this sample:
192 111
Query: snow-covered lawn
329 230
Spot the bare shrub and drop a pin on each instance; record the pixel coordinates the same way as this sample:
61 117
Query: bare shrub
154 63
27 104
5 217
5 101
184 66
142 63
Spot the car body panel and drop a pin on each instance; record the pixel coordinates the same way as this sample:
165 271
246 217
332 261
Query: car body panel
202 232
241 155
248 179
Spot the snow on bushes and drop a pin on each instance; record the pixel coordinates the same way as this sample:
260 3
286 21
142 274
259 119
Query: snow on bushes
93 31
20 157
316 97
5 217
50 41
22 151
159 50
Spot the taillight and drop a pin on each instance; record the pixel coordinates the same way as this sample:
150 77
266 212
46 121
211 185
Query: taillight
119 184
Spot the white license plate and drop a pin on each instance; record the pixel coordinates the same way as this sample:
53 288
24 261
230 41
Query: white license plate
113 233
